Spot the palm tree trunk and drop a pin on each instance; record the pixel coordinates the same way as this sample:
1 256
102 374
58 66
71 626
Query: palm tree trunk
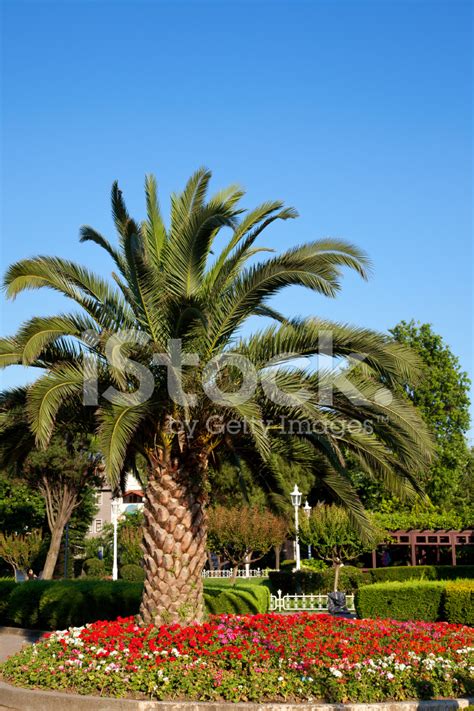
174 543
53 551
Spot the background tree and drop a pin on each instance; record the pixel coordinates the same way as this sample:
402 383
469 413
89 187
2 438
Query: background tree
63 472
20 549
243 535
21 506
192 284
330 532
443 400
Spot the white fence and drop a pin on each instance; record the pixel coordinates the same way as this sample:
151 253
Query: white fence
307 603
227 573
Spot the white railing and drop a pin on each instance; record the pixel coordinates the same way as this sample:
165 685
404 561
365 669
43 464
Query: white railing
309 603
228 573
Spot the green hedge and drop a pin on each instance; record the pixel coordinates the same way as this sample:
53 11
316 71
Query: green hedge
351 578
6 587
240 599
414 600
459 602
428 600
422 572
57 604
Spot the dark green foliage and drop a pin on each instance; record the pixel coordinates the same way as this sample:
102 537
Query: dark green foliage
94 568
416 600
51 604
23 604
459 602
57 604
21 506
132 573
6 587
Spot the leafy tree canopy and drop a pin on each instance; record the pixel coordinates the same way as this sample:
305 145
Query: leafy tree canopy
21 506
442 398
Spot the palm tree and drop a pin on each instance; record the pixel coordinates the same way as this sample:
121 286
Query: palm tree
193 285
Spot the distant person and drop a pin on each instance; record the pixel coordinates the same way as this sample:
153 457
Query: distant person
30 575
422 560
386 558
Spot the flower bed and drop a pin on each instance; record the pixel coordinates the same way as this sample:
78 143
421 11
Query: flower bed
299 657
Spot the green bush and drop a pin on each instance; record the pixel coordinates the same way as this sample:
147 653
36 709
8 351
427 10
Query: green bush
413 600
459 602
239 600
402 573
314 564
23 604
6 587
132 573
95 568
57 604
423 572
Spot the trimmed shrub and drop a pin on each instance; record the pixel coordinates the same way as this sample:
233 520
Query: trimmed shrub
133 573
57 604
414 600
23 604
421 572
402 573
95 568
459 602
238 600
6 587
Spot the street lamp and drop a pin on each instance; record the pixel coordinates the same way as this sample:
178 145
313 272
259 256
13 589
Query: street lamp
296 501
115 511
307 510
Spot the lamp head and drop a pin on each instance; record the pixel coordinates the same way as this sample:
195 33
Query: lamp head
296 496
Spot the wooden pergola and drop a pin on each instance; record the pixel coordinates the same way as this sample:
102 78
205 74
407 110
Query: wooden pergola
427 539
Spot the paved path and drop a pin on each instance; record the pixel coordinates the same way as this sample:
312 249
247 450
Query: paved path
10 643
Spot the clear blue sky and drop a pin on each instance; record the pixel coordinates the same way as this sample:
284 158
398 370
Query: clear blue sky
357 113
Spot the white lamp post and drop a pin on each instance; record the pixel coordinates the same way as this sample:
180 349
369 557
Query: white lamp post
307 510
296 501
115 511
